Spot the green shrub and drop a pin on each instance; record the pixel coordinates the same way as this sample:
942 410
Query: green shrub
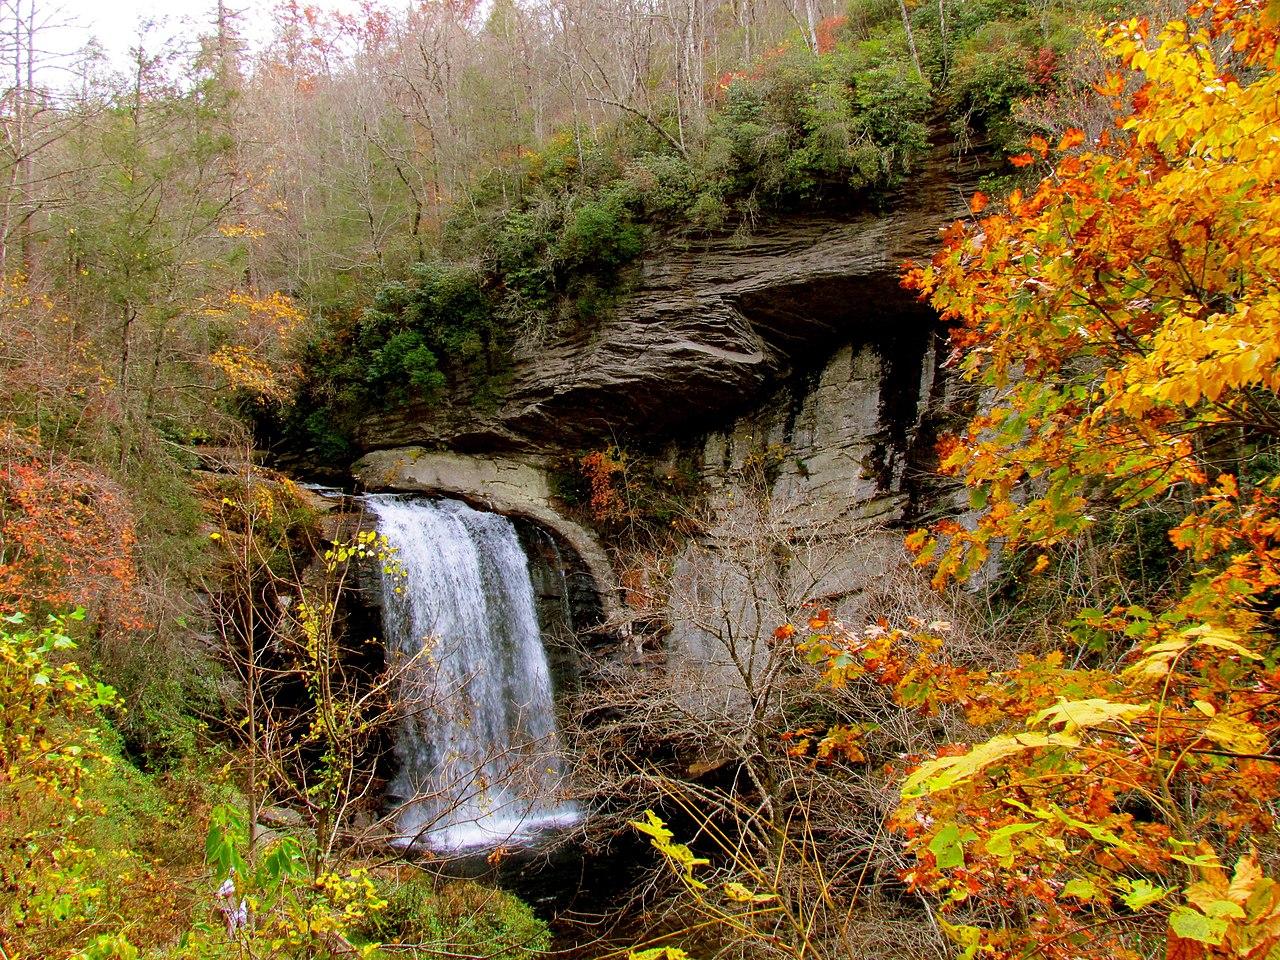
868 17
458 917
709 211
441 319
522 253
600 234
892 105
665 182
809 125
546 238
991 71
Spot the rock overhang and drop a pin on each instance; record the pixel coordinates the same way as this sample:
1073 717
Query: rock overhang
511 484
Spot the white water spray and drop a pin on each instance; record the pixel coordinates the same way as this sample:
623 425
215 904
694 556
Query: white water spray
479 750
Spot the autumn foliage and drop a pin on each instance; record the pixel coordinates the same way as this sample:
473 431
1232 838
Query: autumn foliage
1124 314
255 333
1124 321
605 472
66 537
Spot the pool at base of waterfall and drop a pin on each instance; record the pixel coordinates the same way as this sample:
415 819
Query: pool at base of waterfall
490 833
478 748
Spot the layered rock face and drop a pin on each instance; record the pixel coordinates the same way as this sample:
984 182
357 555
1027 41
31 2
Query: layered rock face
804 495
707 328
791 362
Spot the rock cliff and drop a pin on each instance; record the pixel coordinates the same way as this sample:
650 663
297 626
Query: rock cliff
790 361
706 328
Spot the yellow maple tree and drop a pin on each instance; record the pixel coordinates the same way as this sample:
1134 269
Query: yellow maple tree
1123 319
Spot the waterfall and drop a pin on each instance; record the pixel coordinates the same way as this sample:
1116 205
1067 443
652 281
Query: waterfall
478 747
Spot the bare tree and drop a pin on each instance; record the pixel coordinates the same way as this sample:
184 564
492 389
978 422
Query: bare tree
719 729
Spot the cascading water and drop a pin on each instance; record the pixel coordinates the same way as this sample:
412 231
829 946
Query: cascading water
479 750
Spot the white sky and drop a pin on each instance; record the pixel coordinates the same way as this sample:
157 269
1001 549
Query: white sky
115 22
65 26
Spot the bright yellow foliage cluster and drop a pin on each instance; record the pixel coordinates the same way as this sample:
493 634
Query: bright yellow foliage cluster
1130 308
1124 320
256 332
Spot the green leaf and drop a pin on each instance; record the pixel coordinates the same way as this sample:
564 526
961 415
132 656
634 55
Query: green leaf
947 846
104 695
284 859
1225 909
1140 893
1099 833
1203 860
1193 925
227 832
1081 887
963 935
1000 845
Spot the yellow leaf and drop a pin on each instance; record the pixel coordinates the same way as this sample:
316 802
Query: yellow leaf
1246 878
1083 714
1221 639
1236 736
740 894
943 773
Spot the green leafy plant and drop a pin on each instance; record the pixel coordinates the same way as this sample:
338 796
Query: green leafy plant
49 745
275 902
456 917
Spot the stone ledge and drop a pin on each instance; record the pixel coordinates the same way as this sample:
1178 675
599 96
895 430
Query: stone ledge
512 485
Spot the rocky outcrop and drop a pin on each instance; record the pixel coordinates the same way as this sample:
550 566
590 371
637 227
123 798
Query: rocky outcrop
835 447
707 328
793 369
516 486
803 497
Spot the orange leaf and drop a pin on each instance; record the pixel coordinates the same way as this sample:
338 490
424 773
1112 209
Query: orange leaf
916 540
1040 145
1112 86
1072 138
1022 160
979 202
1180 948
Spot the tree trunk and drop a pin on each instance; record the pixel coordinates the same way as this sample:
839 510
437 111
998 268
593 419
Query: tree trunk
911 37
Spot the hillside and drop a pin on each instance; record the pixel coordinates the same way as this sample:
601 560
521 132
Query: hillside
687 480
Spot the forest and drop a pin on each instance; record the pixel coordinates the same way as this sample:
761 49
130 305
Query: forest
996 679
